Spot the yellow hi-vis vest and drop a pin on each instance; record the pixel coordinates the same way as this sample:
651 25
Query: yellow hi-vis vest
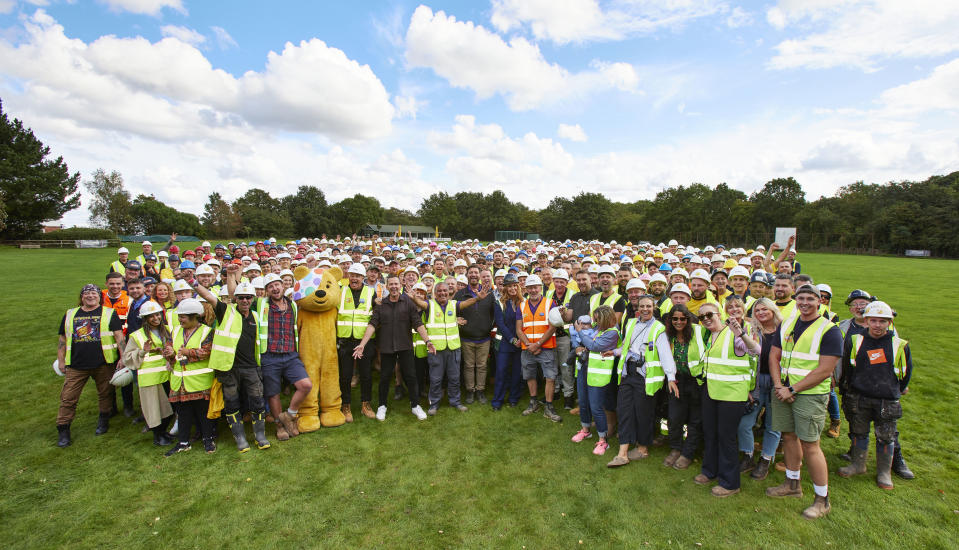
352 319
597 300
152 370
599 369
419 345
442 327
728 376
118 267
801 357
695 351
172 319
899 349
655 376
107 342
263 318
226 336
197 376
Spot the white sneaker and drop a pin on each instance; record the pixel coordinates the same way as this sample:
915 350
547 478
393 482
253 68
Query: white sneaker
176 427
381 413
418 411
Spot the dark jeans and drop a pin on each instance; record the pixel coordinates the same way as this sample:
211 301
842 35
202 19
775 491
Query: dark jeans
721 438
388 362
509 377
635 411
245 379
190 414
688 411
364 364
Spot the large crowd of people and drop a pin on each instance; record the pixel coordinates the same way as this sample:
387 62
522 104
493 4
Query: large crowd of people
737 353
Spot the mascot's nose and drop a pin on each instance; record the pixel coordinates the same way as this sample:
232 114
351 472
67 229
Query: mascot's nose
320 293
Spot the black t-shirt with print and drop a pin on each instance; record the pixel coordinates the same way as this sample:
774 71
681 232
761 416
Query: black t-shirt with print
86 352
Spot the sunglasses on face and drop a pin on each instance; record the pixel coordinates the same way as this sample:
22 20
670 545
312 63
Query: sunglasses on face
707 315
679 319
244 297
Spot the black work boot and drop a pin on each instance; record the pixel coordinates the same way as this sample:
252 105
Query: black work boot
103 424
63 432
160 438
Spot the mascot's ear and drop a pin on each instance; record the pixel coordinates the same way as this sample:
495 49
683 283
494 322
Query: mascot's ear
335 272
300 272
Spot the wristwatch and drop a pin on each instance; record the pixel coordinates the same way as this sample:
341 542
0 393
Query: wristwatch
793 390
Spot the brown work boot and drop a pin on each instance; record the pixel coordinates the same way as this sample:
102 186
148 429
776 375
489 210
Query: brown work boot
788 488
834 429
281 433
289 423
671 458
574 411
702 479
347 413
722 492
761 470
682 463
367 410
820 507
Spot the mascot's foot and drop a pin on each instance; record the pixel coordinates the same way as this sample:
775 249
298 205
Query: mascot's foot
307 423
332 419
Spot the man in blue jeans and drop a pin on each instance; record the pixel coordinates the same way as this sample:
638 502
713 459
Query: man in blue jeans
279 358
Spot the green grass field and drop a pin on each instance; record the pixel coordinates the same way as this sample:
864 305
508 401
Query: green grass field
459 480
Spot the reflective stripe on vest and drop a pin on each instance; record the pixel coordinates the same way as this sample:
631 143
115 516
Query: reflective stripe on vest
899 350
535 323
107 343
801 357
263 327
226 336
597 300
655 375
197 376
728 376
599 369
441 325
695 352
352 319
118 267
152 370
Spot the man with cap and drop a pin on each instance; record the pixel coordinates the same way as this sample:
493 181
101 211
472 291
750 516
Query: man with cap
90 337
119 265
235 357
356 307
876 369
802 358
537 338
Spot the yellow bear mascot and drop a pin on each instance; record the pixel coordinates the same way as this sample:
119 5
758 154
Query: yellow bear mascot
317 296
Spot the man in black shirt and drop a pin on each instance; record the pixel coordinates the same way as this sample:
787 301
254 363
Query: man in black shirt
89 344
244 372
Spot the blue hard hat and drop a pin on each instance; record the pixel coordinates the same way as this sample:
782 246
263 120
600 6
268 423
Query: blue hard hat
187 264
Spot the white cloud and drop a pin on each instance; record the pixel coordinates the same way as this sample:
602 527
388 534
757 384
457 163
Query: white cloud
572 132
169 90
223 38
145 7
470 56
585 20
862 33
739 18
183 34
6 6
939 91
407 106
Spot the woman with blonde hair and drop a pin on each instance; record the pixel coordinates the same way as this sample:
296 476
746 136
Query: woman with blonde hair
594 372
765 322
163 295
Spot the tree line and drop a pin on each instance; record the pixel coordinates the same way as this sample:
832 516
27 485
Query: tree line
888 217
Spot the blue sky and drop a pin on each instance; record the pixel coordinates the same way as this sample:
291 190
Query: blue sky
537 98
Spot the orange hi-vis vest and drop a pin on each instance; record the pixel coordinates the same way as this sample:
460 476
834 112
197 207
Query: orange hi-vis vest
535 323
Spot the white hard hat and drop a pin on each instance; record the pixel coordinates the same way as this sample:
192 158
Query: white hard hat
739 271
699 274
657 278
533 280
190 306
254 267
270 278
358 269
245 289
635 283
57 369
286 272
878 309
462 279
680 271
681 287
214 261
500 273
555 317
123 250
744 261
428 275
147 243
257 282
420 286
204 269
149 308
606 269
717 258
823 287
560 274
122 377
460 263
593 268
206 243
673 242
180 284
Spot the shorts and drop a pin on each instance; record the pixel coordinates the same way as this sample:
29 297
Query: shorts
276 367
546 360
806 416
